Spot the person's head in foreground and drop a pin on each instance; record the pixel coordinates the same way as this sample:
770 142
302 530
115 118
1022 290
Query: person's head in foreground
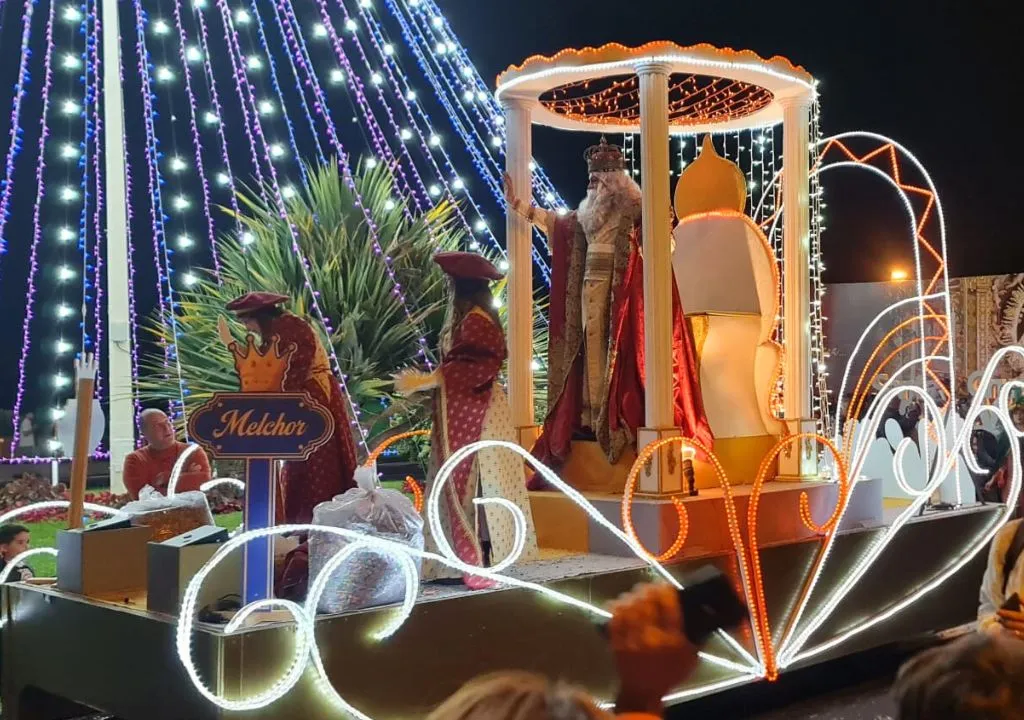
979 677
14 540
518 696
652 656
157 429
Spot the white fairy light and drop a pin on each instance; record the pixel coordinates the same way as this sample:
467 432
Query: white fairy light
376 78
319 30
53 445
276 150
389 49
365 4
458 183
248 238
65 234
410 95
160 27
62 346
337 76
480 225
434 190
57 413
437 21
371 162
71 14
495 141
351 25
288 192
266 107
69 151
189 279
60 380
242 16
178 164
405 134
185 242
223 178
503 265
70 107
389 204
441 48
535 365
481 96
210 118
549 197
68 193
181 202
496 302
468 96
65 273
434 141
467 71
253 62
164 74
193 54
71 61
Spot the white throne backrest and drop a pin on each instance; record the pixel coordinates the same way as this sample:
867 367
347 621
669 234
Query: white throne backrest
725 269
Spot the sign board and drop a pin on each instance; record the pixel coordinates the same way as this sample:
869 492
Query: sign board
262 429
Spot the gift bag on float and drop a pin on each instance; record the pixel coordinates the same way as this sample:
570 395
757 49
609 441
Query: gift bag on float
169 516
366 578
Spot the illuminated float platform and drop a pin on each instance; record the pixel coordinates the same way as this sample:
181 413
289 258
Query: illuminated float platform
826 564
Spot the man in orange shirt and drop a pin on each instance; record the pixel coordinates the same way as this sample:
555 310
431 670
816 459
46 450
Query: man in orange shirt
152 464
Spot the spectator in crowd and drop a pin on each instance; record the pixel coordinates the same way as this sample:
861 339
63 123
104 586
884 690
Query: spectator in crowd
152 464
979 677
652 656
14 540
1004 577
985 447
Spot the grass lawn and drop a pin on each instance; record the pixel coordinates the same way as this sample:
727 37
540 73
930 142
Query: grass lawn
44 534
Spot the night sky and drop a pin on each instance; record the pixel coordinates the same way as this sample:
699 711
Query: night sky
933 75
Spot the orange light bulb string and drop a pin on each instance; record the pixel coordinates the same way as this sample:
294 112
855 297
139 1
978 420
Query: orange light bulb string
827 529
410 486
755 602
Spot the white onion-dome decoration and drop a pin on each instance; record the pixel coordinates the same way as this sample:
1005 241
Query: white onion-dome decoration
710 183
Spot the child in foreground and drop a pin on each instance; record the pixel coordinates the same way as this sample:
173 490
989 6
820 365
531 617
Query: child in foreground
14 540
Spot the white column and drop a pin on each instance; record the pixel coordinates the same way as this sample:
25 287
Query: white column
518 151
801 460
121 410
657 224
663 473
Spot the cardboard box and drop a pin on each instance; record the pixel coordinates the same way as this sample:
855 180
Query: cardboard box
173 564
101 561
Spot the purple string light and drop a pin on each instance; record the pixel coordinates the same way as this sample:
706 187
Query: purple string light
196 143
37 227
245 90
97 218
157 217
16 132
211 84
371 224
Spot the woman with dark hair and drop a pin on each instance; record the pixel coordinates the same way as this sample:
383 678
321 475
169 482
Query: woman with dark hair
329 470
470 405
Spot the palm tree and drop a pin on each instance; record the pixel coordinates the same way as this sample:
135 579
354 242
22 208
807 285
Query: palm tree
374 332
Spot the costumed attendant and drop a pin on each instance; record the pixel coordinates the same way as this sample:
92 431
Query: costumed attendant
470 405
329 470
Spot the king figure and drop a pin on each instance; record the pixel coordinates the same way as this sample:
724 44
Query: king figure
596 345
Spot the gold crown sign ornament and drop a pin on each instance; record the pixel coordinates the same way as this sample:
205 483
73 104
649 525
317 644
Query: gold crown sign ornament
258 371
604 157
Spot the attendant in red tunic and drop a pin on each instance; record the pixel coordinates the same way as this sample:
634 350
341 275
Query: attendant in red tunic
329 471
470 405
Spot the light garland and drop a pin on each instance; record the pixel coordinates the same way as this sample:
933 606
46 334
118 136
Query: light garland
20 558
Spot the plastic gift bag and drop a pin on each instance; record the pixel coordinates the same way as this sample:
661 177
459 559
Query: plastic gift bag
169 516
366 578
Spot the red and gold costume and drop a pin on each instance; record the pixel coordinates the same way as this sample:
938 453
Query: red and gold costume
470 405
329 470
618 418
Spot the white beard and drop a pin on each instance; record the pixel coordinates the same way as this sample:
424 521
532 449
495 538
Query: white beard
606 204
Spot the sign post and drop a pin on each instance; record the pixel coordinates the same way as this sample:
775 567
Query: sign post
261 428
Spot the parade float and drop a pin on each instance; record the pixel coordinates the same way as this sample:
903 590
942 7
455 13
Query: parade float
784 502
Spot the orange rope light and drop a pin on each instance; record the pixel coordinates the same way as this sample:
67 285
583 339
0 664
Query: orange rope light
828 528
411 486
377 451
752 589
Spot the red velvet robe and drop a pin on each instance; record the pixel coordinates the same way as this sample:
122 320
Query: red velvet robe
329 470
625 412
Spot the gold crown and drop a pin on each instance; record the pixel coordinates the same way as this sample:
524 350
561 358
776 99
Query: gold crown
604 157
262 372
